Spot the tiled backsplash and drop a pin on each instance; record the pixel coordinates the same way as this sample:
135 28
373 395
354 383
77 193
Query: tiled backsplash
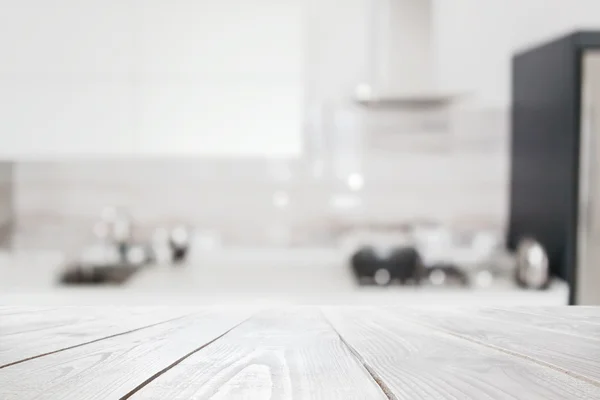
458 176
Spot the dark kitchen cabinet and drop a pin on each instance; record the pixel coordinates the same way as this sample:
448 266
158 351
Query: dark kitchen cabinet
555 158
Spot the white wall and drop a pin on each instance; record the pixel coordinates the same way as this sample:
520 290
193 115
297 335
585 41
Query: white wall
109 77
538 20
476 39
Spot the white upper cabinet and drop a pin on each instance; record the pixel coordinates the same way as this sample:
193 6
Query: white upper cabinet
221 77
65 78
53 118
66 39
151 77
195 38
223 118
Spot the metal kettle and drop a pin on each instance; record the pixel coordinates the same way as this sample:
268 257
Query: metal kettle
532 265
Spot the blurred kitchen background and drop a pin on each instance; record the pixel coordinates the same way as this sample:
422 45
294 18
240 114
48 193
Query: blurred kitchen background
263 149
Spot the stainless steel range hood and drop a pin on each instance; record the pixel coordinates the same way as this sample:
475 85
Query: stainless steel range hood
401 61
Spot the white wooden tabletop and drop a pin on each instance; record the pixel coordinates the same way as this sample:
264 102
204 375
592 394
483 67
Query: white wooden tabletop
299 353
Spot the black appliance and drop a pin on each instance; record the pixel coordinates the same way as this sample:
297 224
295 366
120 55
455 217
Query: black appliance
555 158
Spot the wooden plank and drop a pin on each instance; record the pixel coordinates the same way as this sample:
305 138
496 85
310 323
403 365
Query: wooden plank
112 368
16 310
29 335
579 313
24 320
529 316
414 362
275 355
577 356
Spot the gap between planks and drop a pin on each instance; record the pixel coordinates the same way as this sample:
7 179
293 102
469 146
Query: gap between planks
534 360
94 341
168 367
387 392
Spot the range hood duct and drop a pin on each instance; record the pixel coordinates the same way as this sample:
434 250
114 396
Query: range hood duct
401 65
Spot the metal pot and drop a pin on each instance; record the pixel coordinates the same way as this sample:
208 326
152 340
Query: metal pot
532 265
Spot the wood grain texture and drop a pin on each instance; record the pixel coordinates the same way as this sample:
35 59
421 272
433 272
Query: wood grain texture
275 355
579 357
573 326
414 362
572 313
38 319
27 335
113 368
301 353
12 310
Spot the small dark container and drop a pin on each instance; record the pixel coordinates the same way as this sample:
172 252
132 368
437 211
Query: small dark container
364 262
405 265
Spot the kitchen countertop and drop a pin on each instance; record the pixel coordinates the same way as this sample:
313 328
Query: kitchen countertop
299 353
247 276
176 288
332 285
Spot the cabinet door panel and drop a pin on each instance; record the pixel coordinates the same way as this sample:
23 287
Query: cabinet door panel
66 39
204 38
220 119
52 119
